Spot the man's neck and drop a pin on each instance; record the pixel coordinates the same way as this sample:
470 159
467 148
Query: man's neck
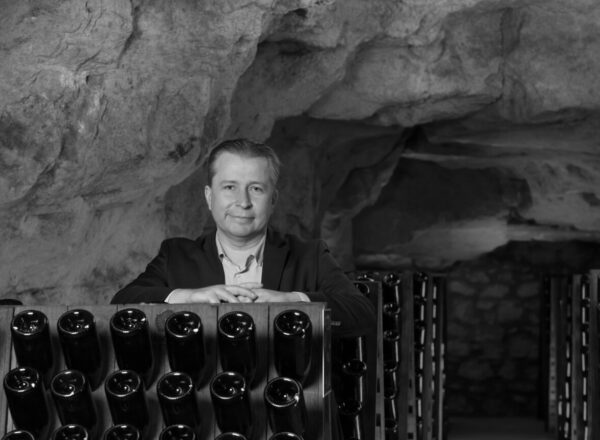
240 243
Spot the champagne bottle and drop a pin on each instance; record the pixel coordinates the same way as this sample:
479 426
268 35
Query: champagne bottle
177 398
132 343
80 344
237 344
26 400
177 432
71 432
292 335
231 403
122 431
185 344
73 399
126 399
286 409
31 341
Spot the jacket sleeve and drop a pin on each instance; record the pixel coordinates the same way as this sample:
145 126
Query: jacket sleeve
352 313
151 286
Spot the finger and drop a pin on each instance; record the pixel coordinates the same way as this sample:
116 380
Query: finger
241 291
244 299
227 296
203 297
250 285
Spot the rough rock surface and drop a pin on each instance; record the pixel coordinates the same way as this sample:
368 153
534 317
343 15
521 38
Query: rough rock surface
108 107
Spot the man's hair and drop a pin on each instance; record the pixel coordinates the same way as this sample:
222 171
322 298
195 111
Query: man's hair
245 148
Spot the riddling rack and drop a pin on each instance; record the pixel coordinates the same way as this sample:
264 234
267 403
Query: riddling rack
316 387
411 343
569 349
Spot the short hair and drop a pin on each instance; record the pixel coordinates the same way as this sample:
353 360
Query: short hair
246 148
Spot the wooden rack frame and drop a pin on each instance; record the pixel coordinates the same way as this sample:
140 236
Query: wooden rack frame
317 390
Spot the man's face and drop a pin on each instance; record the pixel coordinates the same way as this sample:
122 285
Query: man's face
241 196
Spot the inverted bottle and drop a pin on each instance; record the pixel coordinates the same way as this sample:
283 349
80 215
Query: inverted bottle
177 398
237 344
292 336
132 343
80 344
286 409
26 400
73 399
31 341
126 399
185 344
231 403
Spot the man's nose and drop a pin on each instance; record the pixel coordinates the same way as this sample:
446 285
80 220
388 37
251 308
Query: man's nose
244 199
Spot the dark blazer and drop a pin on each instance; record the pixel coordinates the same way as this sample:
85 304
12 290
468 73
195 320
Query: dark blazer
289 264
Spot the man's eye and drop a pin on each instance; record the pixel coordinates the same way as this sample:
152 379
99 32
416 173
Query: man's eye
228 187
257 189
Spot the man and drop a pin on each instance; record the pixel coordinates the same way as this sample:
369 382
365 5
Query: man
245 260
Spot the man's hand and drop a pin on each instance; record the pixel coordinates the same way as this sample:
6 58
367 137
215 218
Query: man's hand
216 294
266 295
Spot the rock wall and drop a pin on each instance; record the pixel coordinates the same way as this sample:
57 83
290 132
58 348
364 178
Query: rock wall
107 108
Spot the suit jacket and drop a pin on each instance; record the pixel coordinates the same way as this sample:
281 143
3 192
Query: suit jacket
289 264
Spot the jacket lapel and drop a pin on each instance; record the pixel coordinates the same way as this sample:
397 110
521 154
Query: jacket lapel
275 254
210 268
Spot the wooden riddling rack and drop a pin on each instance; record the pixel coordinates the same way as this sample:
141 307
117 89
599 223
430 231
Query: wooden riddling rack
569 355
317 389
413 408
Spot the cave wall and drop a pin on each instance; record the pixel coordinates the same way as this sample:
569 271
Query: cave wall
107 108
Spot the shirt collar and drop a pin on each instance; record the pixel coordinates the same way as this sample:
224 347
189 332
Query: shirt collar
257 251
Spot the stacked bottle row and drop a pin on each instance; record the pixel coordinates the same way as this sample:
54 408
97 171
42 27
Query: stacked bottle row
571 359
355 375
350 385
224 369
412 347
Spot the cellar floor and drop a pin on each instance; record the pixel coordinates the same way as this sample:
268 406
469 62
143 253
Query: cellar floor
497 429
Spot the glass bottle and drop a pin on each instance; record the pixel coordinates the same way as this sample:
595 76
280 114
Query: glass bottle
285 436
363 288
18 434
392 317
70 432
126 399
391 289
391 346
177 432
131 342
177 399
353 382
292 335
31 341
73 399
237 344
350 419
122 431
286 409
26 400
185 344
230 436
80 344
231 403
390 379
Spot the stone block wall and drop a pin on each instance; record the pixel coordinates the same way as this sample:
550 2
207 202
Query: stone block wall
493 339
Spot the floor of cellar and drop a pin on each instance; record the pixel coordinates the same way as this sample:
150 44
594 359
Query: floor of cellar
497 429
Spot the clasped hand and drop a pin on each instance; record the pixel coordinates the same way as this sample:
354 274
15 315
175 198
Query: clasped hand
239 293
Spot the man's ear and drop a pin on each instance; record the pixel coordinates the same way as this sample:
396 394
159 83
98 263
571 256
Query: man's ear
275 197
208 197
